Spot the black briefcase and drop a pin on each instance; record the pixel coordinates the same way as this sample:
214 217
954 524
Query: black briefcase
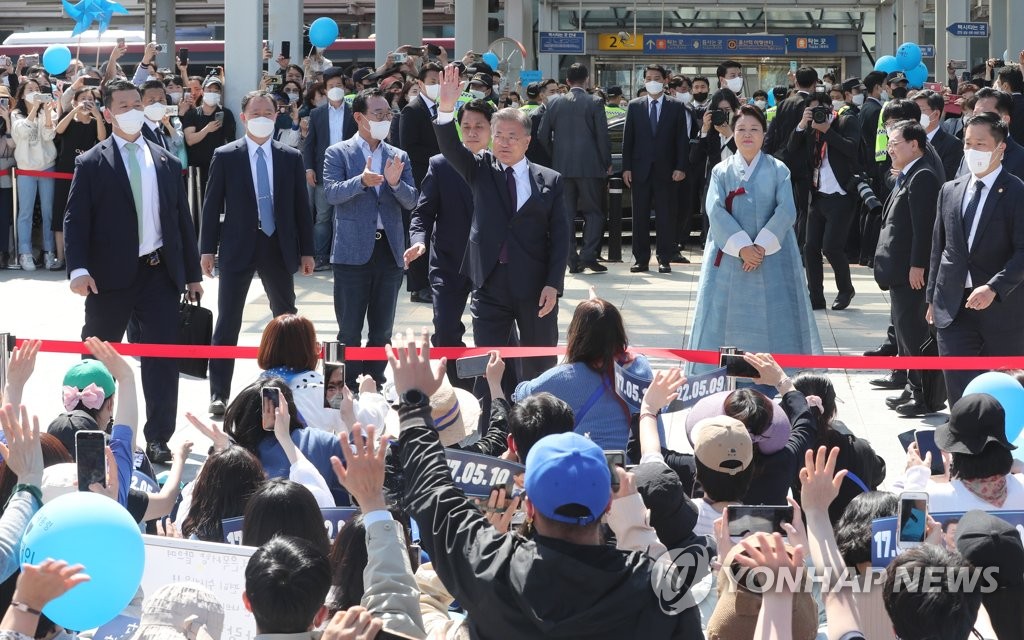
195 327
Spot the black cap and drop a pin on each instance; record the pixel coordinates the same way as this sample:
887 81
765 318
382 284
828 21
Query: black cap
853 83
360 74
480 67
975 421
482 78
613 92
896 76
533 90
66 425
987 541
673 515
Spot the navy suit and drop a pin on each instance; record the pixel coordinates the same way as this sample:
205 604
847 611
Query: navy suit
244 248
995 258
101 235
441 221
318 138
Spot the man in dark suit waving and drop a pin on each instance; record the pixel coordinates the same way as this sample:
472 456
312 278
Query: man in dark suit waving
267 228
903 252
655 153
977 260
131 249
519 236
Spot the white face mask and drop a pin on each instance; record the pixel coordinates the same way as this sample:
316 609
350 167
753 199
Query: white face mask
858 99
175 97
155 112
514 105
477 94
380 130
130 122
761 104
335 94
292 97
654 87
260 127
432 91
925 120
686 97
31 97
735 84
977 161
837 105
211 99
827 86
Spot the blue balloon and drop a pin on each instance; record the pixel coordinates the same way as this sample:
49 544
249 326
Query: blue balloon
917 76
95 531
491 59
887 64
908 55
56 59
323 32
1010 394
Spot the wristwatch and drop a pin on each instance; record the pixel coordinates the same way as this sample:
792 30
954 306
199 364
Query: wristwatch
414 398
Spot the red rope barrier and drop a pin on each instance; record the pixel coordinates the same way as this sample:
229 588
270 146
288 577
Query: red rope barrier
43 174
793 361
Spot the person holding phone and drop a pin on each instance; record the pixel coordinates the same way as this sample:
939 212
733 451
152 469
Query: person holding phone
6 182
33 128
207 127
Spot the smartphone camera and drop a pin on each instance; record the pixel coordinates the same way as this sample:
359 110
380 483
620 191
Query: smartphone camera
745 520
913 519
615 459
472 366
91 459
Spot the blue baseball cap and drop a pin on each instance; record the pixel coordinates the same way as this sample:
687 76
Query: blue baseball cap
568 469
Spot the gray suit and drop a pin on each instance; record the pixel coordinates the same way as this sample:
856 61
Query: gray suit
574 132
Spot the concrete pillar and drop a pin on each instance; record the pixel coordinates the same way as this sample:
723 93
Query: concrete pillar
999 33
470 28
284 23
547 20
519 26
885 30
1014 28
243 53
941 57
163 33
398 22
957 48
910 21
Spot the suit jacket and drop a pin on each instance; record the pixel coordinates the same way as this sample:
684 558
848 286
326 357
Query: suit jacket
1017 117
318 137
574 132
537 235
1013 158
787 116
650 156
950 150
443 215
843 148
996 257
908 219
417 135
706 152
235 238
869 126
101 225
357 207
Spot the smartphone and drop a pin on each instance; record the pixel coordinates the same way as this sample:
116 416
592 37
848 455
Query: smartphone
913 516
270 45
472 366
745 520
91 458
31 60
90 81
792 66
433 50
120 42
273 79
5 61
737 367
183 56
906 438
414 51
334 384
219 116
160 48
615 459
212 71
44 98
958 64
398 56
171 111
925 439
286 48
5 103
271 402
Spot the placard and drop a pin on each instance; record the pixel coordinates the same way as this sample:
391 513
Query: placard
631 388
476 474
334 519
218 567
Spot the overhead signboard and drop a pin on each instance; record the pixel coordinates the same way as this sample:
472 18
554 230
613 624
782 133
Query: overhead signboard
711 45
564 42
813 44
526 76
969 29
614 42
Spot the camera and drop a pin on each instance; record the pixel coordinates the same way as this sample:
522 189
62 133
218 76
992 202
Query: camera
820 114
718 117
160 48
861 185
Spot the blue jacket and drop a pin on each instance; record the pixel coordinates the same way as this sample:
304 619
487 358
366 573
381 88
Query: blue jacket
317 445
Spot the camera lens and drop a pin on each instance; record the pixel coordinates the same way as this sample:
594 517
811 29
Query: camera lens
718 117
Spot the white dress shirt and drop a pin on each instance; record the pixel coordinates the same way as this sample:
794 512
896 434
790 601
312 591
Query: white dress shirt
335 122
377 166
268 155
988 181
521 171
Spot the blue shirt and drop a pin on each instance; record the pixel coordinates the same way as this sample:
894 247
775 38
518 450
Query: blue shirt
317 445
121 446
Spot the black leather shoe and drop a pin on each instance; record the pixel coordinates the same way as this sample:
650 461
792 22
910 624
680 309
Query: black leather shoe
639 268
884 349
575 268
843 300
914 409
895 380
817 305
664 267
423 295
894 401
678 258
217 406
158 452
594 266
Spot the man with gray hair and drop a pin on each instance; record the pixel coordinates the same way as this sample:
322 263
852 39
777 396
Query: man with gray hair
519 238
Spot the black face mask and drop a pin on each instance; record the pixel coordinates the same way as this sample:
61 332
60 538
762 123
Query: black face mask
899 93
700 97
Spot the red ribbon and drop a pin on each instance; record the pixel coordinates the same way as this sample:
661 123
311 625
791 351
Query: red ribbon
792 361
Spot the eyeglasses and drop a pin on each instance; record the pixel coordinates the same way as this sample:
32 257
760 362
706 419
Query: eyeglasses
380 115
892 143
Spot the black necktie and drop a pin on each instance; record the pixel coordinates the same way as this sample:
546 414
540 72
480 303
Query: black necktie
972 210
654 116
433 112
510 183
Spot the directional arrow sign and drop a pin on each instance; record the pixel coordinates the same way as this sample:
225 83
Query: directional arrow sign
969 29
650 44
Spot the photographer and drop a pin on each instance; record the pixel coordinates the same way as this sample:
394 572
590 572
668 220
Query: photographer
829 143
715 141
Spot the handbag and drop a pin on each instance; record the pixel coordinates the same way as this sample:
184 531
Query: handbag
195 327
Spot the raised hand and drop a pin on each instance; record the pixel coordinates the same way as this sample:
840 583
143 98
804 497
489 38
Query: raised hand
819 482
111 359
41 583
362 473
393 171
413 370
371 178
214 432
450 89
23 453
662 390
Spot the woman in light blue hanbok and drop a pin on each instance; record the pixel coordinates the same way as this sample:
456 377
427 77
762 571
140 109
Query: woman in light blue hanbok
753 293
